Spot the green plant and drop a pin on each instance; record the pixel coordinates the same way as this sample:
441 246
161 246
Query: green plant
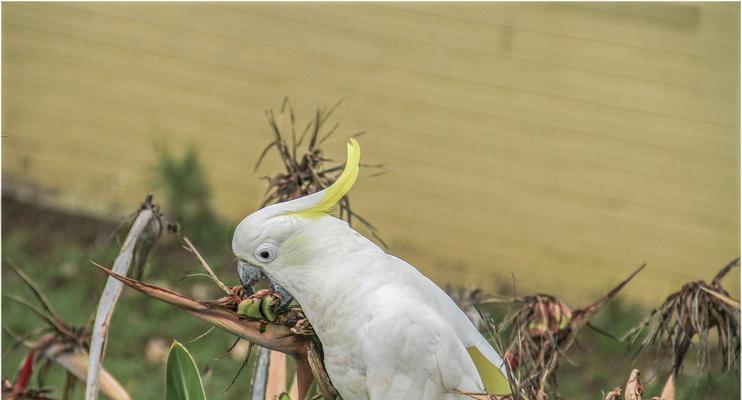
183 380
187 196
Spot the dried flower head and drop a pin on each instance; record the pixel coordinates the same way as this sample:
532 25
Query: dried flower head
696 310
542 328
304 160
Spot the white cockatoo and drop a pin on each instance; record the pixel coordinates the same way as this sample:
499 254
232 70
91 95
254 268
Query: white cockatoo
387 331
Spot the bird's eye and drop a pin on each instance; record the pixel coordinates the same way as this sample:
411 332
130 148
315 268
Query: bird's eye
266 252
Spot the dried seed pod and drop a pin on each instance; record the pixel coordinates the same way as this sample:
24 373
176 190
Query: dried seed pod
634 387
549 316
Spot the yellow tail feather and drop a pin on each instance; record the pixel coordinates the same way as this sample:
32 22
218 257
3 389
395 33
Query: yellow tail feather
495 382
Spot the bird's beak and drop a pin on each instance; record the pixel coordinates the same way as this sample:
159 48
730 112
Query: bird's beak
251 274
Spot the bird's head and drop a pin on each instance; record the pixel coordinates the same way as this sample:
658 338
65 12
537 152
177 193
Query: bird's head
279 239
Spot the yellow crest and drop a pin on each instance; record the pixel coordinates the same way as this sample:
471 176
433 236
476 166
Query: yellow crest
332 195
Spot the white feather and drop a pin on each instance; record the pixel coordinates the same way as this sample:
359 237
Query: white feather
388 332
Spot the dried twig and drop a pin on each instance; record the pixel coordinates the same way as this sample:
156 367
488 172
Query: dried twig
206 266
49 311
143 233
65 345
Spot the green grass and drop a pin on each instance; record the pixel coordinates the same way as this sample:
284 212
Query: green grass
73 286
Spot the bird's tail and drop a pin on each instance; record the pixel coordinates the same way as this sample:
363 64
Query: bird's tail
491 367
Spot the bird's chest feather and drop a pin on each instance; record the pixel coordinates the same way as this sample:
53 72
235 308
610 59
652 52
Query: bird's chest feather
343 347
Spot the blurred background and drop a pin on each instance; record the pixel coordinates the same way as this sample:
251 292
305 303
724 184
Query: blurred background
555 145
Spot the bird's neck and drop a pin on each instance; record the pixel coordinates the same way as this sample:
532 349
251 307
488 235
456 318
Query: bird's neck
331 292
330 280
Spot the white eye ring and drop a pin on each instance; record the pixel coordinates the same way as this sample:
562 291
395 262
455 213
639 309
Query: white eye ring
266 252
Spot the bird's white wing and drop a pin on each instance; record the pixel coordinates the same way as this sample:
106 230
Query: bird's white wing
490 365
412 353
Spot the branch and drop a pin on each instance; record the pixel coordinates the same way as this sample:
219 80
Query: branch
269 335
273 336
720 275
206 266
582 316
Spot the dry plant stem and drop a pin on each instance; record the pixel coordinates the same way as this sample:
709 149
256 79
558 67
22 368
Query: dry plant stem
50 315
108 300
728 300
724 271
67 346
75 361
304 376
276 375
582 316
206 266
272 336
320 374
260 374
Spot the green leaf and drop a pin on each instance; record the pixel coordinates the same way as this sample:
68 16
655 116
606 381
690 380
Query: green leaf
183 380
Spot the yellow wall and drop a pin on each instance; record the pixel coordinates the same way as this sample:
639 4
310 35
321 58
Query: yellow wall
565 143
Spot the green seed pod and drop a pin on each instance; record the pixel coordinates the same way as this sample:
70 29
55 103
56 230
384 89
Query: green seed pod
267 305
250 308
284 396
